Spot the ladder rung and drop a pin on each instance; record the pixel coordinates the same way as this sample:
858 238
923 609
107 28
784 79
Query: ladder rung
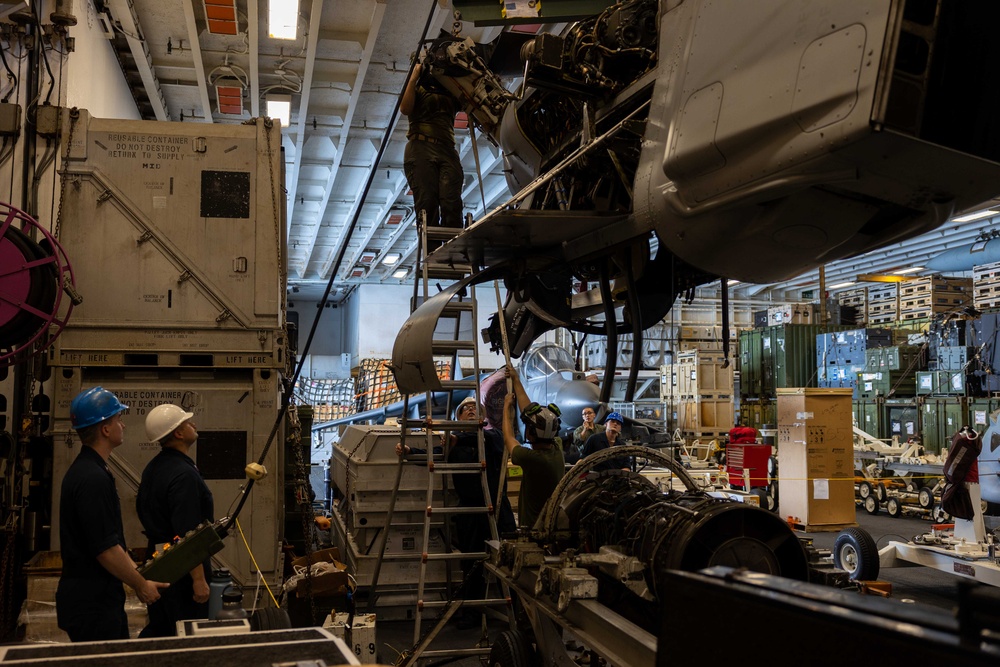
452 385
450 652
449 347
453 307
437 233
454 424
457 509
459 467
492 602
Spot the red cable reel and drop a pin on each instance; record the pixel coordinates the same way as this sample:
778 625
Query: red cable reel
35 281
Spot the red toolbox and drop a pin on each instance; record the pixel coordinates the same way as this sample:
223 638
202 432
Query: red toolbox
750 457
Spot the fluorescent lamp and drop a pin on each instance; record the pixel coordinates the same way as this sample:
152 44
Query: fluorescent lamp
283 19
280 107
978 215
391 258
400 273
912 269
839 285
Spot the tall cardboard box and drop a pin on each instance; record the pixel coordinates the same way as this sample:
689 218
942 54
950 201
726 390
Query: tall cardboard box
816 457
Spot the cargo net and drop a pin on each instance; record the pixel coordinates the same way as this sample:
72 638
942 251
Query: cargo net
330 399
375 386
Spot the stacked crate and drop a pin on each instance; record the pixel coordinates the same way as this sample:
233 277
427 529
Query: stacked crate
704 393
841 356
883 304
791 313
986 286
180 258
923 298
857 299
890 371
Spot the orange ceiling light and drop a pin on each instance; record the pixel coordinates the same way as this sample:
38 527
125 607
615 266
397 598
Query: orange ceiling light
221 15
230 99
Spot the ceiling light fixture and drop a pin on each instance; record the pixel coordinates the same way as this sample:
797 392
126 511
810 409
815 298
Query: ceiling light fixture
978 215
283 19
400 273
280 107
912 269
391 258
839 285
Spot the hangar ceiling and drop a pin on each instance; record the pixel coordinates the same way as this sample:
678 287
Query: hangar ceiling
344 72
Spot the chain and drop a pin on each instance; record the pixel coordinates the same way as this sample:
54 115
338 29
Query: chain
74 115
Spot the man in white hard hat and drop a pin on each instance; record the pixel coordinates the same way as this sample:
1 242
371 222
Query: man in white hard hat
173 499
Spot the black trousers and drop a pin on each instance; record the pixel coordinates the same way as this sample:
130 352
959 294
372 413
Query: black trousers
434 173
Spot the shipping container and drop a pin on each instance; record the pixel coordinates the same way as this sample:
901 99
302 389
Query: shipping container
702 373
868 416
751 351
235 411
705 416
885 384
178 243
756 413
902 418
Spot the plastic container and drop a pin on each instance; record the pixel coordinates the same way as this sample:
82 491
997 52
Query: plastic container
232 604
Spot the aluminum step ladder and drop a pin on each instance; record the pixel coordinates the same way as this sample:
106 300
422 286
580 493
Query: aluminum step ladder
439 322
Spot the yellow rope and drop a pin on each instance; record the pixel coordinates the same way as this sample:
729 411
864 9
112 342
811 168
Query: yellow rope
259 573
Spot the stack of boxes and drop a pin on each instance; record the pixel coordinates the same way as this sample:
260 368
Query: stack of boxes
842 355
182 271
890 371
791 313
883 304
703 389
858 300
923 298
986 286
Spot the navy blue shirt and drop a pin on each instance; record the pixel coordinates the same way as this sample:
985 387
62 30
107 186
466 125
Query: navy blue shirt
599 441
90 517
173 497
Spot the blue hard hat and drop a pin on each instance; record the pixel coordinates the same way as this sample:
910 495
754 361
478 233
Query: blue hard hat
617 416
94 406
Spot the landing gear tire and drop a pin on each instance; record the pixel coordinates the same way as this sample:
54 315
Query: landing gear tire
512 649
880 492
871 505
864 489
925 497
855 552
893 507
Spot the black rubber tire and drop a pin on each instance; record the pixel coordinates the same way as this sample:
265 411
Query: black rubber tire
855 552
270 618
762 498
880 493
925 498
912 485
871 505
512 649
864 490
893 507
939 515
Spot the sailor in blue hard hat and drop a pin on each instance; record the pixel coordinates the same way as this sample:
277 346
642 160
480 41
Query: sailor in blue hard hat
609 438
90 600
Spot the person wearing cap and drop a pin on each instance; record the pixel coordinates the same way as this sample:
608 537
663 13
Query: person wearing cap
543 465
173 499
90 599
609 438
472 530
581 433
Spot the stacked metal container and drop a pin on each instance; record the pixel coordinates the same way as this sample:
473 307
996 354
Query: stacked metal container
986 286
890 371
883 304
857 299
984 335
840 356
178 246
925 297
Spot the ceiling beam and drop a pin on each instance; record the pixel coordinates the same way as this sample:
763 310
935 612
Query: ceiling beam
312 42
253 28
380 217
199 64
123 13
376 25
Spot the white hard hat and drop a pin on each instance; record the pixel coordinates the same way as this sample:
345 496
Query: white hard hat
465 401
163 419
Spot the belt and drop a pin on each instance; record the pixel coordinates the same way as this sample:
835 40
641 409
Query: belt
431 140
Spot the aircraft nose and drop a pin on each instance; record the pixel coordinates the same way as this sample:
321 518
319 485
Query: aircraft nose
573 397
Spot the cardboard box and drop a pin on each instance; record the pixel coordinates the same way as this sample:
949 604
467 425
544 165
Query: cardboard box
816 457
327 583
